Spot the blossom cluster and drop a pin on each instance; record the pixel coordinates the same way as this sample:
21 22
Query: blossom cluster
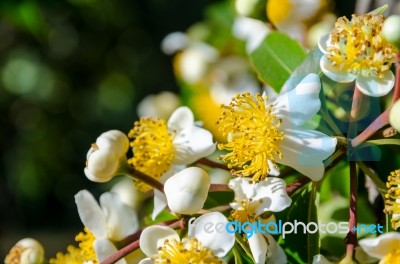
257 152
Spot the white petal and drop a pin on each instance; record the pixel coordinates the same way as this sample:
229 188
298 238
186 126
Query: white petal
380 246
121 219
192 144
258 247
333 73
91 214
160 203
105 248
273 171
102 165
276 253
319 259
323 43
242 188
376 87
304 151
180 119
187 190
174 42
300 104
153 237
113 139
272 193
251 30
217 239
146 261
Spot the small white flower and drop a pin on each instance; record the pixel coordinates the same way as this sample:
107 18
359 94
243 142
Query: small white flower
385 247
394 116
356 50
162 243
129 195
104 157
110 221
154 105
252 200
187 190
251 30
248 119
26 251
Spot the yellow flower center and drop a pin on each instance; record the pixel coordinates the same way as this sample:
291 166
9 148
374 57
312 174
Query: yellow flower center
392 257
77 255
185 251
247 212
357 46
278 10
153 151
14 256
253 136
392 203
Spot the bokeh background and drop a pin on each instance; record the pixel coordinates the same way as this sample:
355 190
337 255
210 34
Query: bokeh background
70 70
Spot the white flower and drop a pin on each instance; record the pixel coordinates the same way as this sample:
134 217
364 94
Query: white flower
281 119
162 243
252 200
128 194
245 7
154 105
251 30
110 221
385 247
391 30
26 251
187 190
356 50
104 157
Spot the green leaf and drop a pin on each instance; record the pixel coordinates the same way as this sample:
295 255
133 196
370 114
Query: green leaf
277 58
389 141
302 247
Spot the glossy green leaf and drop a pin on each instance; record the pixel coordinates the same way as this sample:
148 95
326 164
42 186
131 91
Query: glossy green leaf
276 59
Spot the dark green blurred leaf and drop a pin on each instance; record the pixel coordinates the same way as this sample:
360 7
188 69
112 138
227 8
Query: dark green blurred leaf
277 58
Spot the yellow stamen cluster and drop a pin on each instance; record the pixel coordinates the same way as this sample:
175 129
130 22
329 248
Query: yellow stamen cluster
253 136
186 251
358 46
247 211
392 257
279 10
77 255
153 151
392 203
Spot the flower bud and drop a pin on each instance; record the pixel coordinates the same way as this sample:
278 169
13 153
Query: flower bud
25 251
394 116
105 156
391 30
187 190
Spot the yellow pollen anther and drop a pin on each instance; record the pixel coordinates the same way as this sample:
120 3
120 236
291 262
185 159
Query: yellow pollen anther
392 202
186 251
77 255
153 151
247 212
358 47
392 257
253 136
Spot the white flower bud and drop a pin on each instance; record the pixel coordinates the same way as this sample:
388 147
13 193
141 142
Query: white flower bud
187 190
394 116
104 157
391 30
25 251
245 7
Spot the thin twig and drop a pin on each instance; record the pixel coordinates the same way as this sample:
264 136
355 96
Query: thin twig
213 164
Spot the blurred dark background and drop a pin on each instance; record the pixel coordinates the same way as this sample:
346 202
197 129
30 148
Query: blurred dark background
70 70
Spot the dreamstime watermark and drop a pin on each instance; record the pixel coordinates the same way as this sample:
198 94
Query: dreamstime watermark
285 228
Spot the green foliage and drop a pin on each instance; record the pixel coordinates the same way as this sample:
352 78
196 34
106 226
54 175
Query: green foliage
276 59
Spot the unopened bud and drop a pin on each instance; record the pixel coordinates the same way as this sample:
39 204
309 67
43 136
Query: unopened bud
25 251
391 30
187 190
394 116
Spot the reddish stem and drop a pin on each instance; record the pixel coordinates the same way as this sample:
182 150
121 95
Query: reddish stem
213 164
121 253
219 188
381 121
351 238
